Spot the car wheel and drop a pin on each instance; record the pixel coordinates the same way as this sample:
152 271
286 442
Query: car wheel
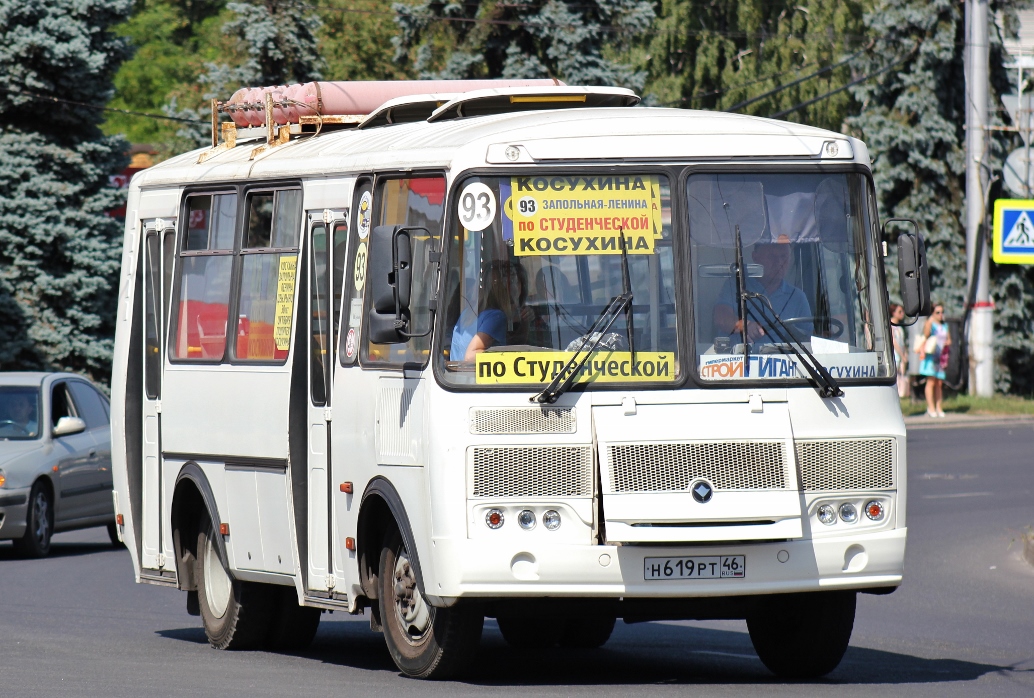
113 534
587 633
803 636
529 632
293 627
425 642
39 524
236 615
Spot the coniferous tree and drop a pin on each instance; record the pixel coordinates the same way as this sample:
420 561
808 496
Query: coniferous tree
913 121
565 39
59 249
716 54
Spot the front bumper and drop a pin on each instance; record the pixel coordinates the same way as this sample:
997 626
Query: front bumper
477 568
14 507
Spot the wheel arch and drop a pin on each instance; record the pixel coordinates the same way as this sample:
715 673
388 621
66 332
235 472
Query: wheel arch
192 496
381 508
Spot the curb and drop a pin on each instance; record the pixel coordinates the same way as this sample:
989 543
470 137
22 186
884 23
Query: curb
953 420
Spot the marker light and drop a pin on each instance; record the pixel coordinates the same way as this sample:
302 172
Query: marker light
494 518
3 478
827 514
526 519
848 512
874 510
551 520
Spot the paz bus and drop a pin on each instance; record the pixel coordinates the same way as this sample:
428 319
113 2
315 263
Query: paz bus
440 351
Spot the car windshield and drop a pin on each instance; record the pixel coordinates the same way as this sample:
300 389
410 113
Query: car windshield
806 243
533 264
19 413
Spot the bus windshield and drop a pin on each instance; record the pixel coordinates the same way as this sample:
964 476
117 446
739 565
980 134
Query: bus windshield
533 263
807 276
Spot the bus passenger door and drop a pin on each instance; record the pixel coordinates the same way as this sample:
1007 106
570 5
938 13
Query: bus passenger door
158 255
326 229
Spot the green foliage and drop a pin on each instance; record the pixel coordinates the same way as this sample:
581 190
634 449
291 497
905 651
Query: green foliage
565 39
59 250
356 41
715 54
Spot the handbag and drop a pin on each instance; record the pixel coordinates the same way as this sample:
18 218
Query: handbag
944 358
930 345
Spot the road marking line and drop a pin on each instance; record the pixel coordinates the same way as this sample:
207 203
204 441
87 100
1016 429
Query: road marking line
954 496
725 654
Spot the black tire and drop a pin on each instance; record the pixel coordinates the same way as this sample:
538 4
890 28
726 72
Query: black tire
236 615
587 633
803 636
113 534
530 632
293 627
425 642
39 523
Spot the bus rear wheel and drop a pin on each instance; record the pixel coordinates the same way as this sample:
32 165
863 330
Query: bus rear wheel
236 615
425 642
803 636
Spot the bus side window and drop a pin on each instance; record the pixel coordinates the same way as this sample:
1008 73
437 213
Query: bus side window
418 202
269 266
353 274
201 309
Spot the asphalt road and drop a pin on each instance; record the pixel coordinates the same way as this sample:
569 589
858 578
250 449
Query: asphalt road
75 624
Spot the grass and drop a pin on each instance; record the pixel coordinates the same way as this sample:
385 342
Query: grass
970 404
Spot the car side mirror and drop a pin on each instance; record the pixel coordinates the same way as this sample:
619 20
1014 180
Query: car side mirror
913 272
391 279
69 425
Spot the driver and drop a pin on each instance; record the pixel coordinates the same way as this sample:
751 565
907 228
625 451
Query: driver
21 412
787 301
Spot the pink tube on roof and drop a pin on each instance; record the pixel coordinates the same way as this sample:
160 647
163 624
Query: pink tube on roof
247 105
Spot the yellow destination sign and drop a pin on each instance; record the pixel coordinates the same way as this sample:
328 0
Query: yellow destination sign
284 301
588 215
540 367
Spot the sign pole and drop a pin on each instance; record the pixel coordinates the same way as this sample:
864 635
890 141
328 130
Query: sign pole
981 327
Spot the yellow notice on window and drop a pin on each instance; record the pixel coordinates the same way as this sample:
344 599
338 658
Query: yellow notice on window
540 367
284 301
583 215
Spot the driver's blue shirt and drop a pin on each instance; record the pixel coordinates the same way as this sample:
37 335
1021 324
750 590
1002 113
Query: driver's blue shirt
489 321
787 301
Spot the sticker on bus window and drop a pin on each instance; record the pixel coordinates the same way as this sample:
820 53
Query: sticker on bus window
350 344
550 215
477 207
355 312
359 275
365 215
284 302
540 367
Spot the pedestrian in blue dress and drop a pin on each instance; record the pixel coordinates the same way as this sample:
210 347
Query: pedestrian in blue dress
933 354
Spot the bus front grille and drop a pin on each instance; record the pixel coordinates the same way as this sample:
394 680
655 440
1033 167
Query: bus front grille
522 420
532 471
673 467
846 464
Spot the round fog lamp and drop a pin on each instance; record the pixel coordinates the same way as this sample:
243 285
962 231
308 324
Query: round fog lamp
494 518
848 512
827 514
526 519
551 520
874 510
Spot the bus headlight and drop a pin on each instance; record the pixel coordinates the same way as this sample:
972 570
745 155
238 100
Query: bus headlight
551 520
526 519
848 512
827 514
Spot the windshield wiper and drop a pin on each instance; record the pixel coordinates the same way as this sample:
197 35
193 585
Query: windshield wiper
626 287
741 307
823 383
559 385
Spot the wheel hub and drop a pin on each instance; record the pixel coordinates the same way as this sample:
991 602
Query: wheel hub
413 613
217 582
42 514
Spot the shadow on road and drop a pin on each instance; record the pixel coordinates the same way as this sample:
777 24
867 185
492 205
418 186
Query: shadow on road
59 550
651 653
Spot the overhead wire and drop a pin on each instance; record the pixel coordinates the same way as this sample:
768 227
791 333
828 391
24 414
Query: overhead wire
51 98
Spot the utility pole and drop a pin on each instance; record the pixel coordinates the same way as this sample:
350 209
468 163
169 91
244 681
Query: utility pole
981 324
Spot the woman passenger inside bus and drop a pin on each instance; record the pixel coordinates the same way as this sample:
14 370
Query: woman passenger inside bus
502 316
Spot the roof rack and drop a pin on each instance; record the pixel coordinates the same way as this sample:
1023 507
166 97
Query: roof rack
276 113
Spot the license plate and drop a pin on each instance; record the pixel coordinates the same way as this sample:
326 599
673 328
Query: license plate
703 567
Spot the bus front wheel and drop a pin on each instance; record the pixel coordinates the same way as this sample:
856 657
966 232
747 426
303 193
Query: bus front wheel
803 636
425 642
236 614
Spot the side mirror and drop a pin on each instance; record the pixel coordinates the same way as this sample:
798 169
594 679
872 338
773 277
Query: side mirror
391 279
69 425
913 273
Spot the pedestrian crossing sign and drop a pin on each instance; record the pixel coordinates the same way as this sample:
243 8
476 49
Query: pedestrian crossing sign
1014 231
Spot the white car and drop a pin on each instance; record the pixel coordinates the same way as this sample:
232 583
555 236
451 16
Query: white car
55 459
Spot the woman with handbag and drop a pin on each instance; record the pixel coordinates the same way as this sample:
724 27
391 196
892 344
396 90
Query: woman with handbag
934 357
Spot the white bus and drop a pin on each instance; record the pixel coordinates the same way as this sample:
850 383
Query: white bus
526 352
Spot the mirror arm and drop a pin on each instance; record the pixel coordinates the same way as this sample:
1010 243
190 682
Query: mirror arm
400 322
